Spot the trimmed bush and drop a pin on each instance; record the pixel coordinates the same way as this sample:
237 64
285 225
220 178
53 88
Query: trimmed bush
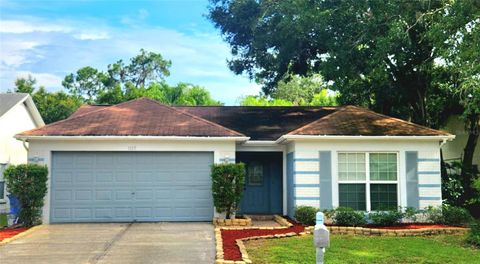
473 237
453 215
449 215
386 218
306 214
348 217
228 181
28 182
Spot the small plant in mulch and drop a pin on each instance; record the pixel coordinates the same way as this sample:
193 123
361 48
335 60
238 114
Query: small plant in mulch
306 214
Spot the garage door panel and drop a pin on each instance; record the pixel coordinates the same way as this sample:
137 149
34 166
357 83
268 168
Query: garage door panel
127 186
144 195
82 213
104 177
83 195
83 177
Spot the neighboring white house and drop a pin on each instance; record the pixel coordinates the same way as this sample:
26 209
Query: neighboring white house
454 149
17 113
144 161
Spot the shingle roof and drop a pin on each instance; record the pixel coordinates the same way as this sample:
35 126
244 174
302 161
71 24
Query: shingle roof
148 117
141 117
9 100
353 121
259 122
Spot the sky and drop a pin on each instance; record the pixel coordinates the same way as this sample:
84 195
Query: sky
49 39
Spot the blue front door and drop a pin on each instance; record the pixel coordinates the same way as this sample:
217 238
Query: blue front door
263 182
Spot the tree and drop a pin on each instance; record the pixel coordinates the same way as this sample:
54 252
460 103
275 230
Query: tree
457 38
53 106
87 82
143 76
295 90
417 60
299 90
25 85
375 53
262 100
147 66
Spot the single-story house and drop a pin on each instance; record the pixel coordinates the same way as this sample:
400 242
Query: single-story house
17 113
144 161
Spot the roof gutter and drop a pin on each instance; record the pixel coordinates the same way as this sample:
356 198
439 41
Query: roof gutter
285 138
113 138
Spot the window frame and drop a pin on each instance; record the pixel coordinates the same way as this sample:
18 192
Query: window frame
251 166
367 180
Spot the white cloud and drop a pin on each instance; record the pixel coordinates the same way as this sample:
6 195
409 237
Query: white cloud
15 51
92 35
19 27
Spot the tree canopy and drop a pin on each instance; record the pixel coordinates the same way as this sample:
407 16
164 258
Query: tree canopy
378 54
295 91
143 76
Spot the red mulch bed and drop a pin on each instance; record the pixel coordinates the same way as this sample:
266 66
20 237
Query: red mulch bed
229 237
10 232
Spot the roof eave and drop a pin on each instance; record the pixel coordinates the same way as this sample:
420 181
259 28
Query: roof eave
171 138
286 138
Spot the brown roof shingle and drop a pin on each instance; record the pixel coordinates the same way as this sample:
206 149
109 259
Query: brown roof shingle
145 117
141 117
354 121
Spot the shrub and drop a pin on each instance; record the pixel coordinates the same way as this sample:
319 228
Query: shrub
410 214
228 181
434 214
473 237
348 217
455 215
306 214
386 218
28 182
448 215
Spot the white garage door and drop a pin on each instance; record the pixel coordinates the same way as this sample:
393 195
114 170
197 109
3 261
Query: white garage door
131 186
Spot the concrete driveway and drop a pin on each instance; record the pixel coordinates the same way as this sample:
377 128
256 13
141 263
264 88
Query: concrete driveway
114 243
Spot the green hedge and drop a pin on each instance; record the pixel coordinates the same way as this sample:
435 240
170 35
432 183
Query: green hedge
28 182
228 182
306 214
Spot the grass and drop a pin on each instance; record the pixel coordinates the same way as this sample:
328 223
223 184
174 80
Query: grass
359 249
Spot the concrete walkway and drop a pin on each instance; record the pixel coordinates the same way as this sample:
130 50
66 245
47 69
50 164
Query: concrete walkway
114 243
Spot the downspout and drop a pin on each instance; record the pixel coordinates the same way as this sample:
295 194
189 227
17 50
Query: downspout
444 141
24 141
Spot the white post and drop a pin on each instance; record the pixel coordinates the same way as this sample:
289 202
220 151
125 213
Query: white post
321 237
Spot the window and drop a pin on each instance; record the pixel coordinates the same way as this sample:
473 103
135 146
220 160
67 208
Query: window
368 181
2 181
255 174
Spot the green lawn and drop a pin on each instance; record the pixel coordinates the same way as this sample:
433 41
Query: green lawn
359 249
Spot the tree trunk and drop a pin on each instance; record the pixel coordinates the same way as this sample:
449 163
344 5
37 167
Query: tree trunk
473 133
468 152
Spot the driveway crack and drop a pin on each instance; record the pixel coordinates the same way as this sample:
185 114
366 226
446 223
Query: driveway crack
109 245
